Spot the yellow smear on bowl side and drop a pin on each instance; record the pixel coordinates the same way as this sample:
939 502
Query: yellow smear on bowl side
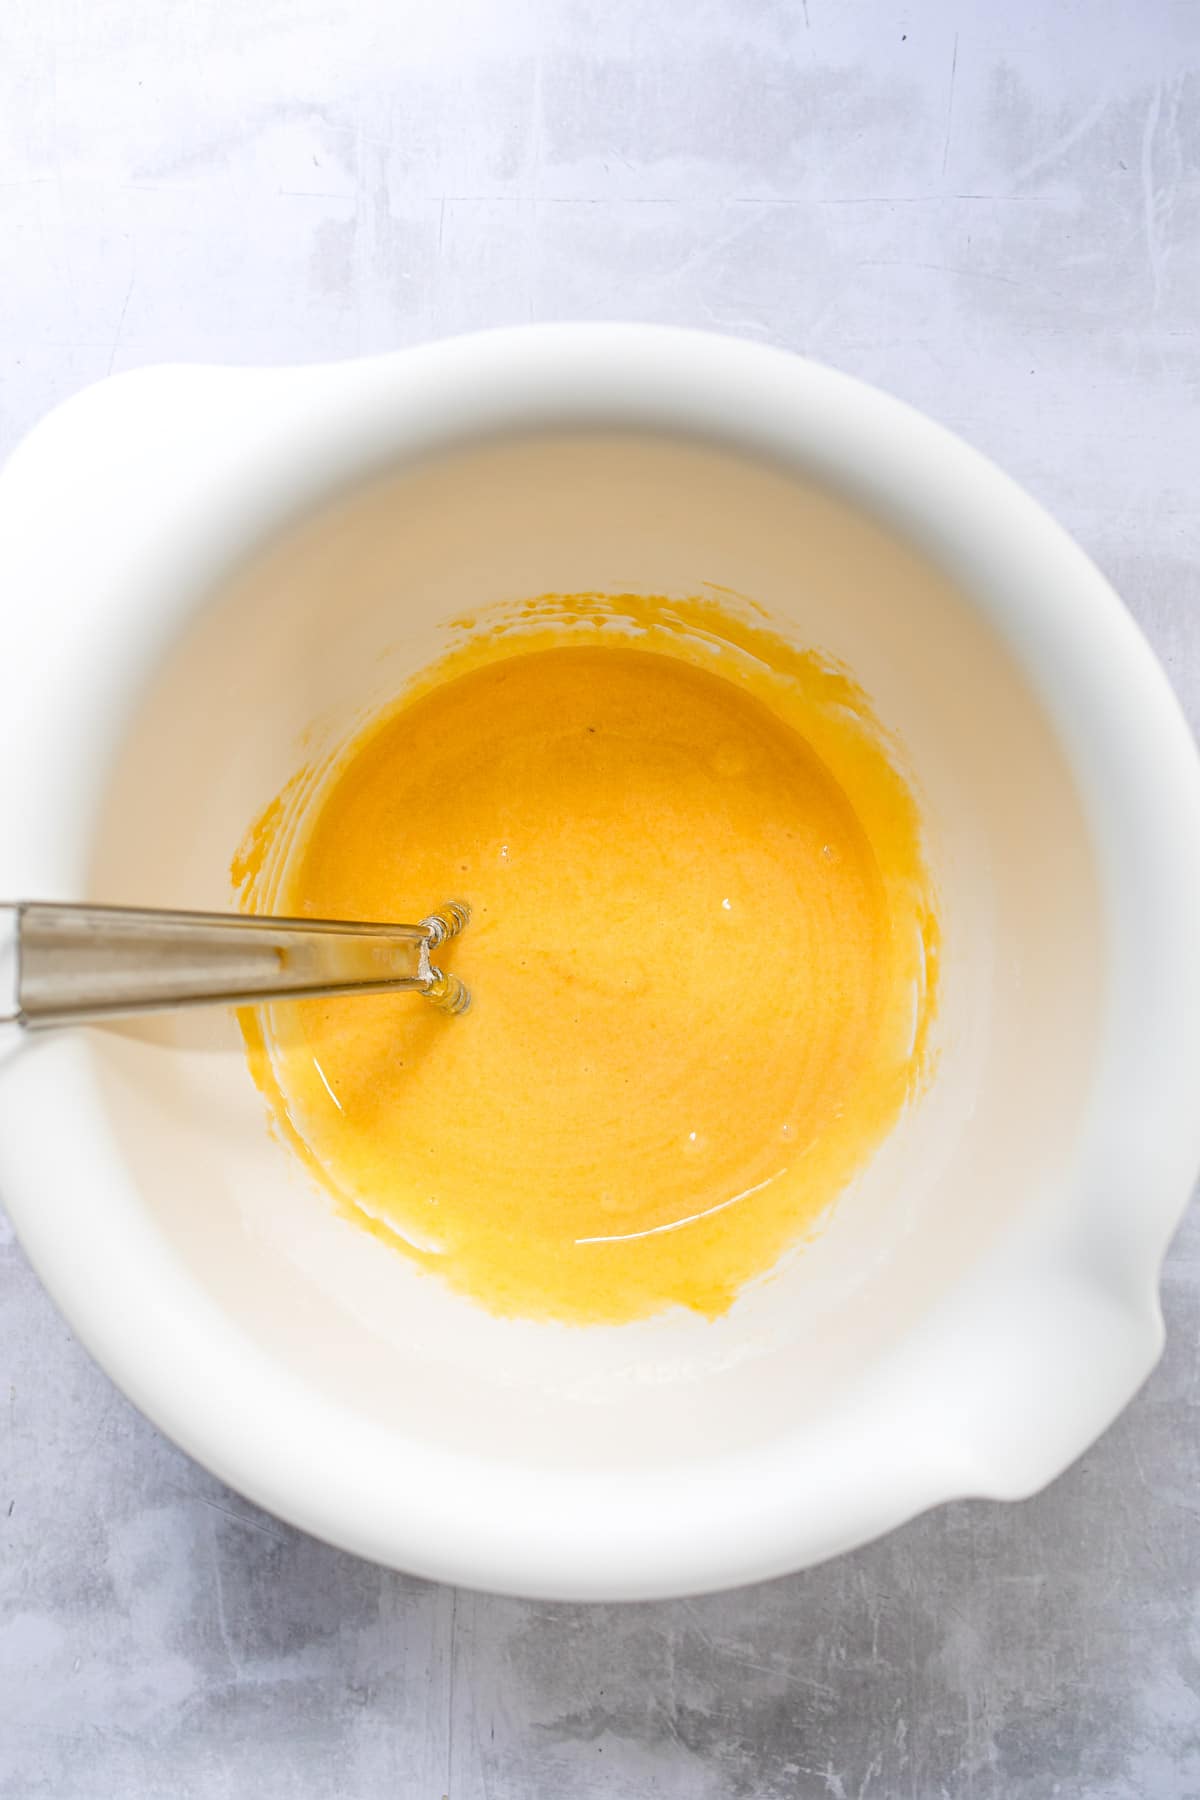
702 956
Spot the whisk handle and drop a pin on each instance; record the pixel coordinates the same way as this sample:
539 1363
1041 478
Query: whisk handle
69 963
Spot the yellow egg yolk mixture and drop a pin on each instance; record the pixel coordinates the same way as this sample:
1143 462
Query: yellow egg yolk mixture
702 959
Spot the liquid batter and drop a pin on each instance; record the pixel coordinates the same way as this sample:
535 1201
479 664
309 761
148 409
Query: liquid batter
701 958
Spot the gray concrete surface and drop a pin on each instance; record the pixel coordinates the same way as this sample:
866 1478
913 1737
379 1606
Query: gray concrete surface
992 210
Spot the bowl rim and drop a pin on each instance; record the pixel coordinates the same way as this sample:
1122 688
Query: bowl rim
1081 1276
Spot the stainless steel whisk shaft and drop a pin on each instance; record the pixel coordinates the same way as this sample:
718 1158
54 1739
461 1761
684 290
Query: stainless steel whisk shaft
68 964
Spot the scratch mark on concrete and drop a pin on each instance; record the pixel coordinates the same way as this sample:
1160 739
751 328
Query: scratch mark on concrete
116 343
1154 252
951 269
222 1616
450 1671
1058 149
241 1519
950 107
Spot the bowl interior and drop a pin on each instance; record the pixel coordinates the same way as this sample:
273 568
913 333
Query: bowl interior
330 618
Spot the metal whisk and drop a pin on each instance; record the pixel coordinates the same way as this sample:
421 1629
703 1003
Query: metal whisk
64 965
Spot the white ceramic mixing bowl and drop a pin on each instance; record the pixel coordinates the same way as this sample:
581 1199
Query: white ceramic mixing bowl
201 565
